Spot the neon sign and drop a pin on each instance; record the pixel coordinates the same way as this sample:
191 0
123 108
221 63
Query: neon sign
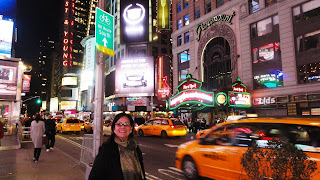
190 96
221 98
164 89
67 33
239 97
133 17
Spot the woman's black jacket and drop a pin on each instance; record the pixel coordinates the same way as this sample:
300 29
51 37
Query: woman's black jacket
107 163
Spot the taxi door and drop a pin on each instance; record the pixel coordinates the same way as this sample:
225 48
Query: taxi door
213 155
147 127
157 127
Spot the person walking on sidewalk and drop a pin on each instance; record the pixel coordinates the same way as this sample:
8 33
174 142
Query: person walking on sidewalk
119 158
37 131
50 132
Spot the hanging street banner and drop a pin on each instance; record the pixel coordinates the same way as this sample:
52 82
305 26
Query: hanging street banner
104 31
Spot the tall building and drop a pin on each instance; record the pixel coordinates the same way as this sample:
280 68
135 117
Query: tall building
272 46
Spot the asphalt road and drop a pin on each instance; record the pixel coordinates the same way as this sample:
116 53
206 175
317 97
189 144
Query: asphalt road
158 153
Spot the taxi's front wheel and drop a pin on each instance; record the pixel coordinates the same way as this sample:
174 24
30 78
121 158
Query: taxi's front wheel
140 132
190 168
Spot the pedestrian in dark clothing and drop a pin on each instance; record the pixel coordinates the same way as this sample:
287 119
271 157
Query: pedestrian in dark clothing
120 158
28 122
203 123
50 132
196 125
37 131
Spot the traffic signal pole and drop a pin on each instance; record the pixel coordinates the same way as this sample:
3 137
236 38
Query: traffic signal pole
98 97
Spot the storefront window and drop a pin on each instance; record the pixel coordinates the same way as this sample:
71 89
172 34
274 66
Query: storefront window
309 73
264 27
308 41
4 113
306 10
184 56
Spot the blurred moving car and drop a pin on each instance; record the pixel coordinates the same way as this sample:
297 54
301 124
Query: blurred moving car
217 155
163 127
69 124
88 126
82 125
107 129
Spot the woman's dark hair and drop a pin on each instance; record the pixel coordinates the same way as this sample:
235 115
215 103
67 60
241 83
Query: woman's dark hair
118 116
38 118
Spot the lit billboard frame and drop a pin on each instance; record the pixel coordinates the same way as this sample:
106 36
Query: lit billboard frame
8 79
68 105
134 21
69 81
6 34
135 75
163 15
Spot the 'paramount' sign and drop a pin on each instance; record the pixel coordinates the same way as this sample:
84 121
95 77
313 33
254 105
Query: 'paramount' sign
222 17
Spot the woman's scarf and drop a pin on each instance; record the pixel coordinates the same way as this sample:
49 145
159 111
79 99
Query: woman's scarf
129 160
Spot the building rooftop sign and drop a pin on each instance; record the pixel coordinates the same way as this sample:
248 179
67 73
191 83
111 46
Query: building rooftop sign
190 96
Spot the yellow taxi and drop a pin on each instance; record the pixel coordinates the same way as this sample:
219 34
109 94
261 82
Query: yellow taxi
218 154
88 126
69 124
163 127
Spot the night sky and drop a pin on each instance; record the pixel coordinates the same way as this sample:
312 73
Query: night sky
35 20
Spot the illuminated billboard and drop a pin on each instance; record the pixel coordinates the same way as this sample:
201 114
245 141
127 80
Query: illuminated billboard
8 8
163 15
134 75
26 83
8 79
66 105
69 81
134 21
6 33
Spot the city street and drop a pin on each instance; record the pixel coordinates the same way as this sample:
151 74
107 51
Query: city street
158 153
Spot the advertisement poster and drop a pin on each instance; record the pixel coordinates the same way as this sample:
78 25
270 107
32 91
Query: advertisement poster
6 33
163 14
69 81
66 105
134 21
8 79
8 8
134 75
26 83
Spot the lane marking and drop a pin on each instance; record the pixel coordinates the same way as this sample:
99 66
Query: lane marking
152 177
176 169
171 145
166 171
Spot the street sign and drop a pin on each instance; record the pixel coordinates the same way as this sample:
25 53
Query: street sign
104 31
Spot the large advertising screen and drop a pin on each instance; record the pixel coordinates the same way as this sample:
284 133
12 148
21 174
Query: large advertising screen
134 75
134 21
69 81
8 79
8 8
6 33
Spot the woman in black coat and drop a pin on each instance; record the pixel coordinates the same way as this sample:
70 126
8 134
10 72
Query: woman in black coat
119 158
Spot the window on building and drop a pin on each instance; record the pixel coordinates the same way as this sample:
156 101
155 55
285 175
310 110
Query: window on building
155 51
267 52
254 6
308 41
309 73
207 7
164 50
183 74
264 27
164 39
197 13
270 2
306 10
186 37
186 19
179 40
179 7
219 3
179 23
185 3
184 56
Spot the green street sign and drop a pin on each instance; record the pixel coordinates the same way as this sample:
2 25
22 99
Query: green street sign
104 31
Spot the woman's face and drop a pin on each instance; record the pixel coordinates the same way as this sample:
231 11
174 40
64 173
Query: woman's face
123 128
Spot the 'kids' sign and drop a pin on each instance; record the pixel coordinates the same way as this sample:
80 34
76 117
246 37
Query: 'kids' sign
190 96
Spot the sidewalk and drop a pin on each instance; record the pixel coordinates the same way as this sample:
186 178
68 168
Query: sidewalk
17 164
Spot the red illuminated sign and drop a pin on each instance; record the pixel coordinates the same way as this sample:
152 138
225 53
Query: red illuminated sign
68 34
164 89
190 85
190 96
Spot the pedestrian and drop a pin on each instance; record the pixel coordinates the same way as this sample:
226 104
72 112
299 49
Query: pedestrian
50 132
190 125
37 131
120 157
1 131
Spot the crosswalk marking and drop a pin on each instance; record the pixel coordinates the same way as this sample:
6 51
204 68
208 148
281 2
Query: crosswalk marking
171 145
152 177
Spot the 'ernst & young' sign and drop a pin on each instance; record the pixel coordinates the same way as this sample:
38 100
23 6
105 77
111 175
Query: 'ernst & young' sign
222 17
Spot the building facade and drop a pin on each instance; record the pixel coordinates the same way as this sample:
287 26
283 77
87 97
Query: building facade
271 45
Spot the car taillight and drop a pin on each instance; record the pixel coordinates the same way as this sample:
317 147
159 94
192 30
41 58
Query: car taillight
65 125
172 126
80 125
261 134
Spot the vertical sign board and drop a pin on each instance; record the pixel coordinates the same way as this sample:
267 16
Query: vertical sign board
104 31
163 15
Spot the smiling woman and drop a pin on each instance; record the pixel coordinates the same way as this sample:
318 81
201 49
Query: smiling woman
120 157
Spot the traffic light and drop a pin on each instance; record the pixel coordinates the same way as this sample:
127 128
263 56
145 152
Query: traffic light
38 101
